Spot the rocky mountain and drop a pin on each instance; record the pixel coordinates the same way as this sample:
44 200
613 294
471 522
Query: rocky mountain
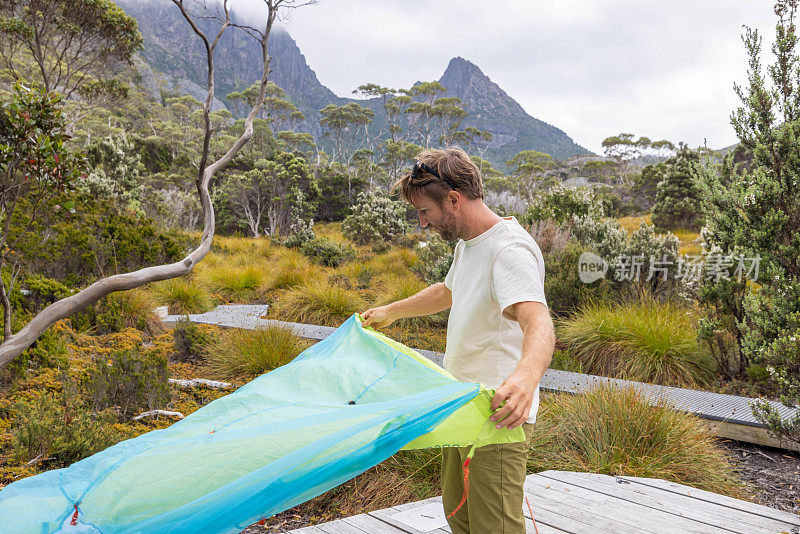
490 108
174 58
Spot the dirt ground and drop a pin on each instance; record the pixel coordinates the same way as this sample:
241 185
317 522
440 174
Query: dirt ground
773 476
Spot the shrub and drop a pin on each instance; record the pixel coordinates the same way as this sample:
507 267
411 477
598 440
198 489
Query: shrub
618 432
435 257
252 352
561 203
98 239
677 195
129 380
647 341
752 210
359 274
375 219
653 252
318 302
43 428
190 340
326 252
44 291
182 296
563 288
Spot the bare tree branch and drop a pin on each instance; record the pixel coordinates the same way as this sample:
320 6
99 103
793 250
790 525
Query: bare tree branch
15 344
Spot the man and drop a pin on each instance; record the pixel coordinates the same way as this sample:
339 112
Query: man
499 332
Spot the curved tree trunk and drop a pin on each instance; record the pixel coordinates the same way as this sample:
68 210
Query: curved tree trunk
17 343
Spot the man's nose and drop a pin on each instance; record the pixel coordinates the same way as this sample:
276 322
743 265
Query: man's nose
423 220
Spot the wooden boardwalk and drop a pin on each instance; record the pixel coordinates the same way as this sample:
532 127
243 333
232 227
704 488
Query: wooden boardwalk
727 416
587 503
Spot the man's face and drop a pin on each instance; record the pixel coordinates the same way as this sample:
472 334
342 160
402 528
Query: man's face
442 219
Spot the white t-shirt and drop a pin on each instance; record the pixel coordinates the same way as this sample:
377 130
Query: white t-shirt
490 272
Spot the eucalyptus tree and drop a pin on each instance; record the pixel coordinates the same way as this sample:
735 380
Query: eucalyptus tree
14 344
68 45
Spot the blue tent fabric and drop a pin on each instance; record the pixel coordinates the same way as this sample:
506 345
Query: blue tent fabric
342 406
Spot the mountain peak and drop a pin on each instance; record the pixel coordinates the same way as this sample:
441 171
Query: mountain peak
461 65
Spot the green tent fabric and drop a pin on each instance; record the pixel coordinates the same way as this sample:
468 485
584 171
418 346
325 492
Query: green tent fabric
342 406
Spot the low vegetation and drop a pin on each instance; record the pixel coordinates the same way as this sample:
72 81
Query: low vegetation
646 341
615 431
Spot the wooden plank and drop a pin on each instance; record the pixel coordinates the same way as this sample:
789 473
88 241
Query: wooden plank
715 498
341 526
622 512
371 524
672 503
746 433
577 514
384 514
313 529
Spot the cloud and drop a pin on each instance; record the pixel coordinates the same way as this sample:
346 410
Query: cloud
593 69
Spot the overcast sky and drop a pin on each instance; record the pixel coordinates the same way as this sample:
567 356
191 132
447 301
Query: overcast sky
592 68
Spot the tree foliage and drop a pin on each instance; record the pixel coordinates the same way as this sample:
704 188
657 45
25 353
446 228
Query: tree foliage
757 213
74 44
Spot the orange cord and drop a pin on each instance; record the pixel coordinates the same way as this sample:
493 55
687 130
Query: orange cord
531 511
466 487
74 520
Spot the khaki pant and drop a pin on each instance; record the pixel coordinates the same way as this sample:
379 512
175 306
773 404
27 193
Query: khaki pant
495 499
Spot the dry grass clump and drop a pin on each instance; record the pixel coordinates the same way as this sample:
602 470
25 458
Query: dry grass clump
392 288
406 476
616 431
137 307
647 341
290 268
318 302
397 261
181 296
234 282
249 353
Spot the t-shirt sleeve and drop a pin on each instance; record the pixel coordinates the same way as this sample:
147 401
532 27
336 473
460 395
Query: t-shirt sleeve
517 277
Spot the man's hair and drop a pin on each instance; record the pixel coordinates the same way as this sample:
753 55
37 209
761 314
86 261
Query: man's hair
453 165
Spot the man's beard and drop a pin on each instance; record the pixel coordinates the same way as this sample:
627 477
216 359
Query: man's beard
449 230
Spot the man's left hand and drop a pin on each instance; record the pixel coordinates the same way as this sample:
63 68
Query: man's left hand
518 389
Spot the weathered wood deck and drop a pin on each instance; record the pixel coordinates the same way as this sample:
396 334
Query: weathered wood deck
586 503
727 416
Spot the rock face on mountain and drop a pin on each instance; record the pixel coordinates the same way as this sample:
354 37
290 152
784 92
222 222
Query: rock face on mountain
490 108
172 48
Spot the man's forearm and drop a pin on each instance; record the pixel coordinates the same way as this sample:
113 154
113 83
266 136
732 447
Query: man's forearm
538 343
432 299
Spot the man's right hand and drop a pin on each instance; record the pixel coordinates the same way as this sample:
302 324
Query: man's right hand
379 317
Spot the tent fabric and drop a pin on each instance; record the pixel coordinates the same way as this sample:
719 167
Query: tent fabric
342 406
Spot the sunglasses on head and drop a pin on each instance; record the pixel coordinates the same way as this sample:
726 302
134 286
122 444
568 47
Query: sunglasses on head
419 166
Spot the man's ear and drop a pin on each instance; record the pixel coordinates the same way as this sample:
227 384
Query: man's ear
454 198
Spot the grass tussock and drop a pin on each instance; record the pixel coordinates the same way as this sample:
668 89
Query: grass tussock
234 282
646 341
615 431
250 353
318 302
290 269
392 288
397 261
137 307
404 477
181 296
